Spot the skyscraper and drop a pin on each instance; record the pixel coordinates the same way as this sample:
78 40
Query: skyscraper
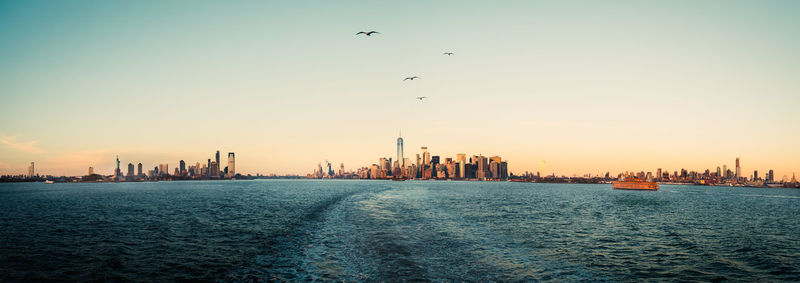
217 168
31 171
494 169
130 170
139 170
771 176
426 156
400 150
482 167
91 170
738 169
382 163
182 166
461 160
231 165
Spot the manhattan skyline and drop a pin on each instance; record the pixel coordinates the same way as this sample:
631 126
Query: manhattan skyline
582 87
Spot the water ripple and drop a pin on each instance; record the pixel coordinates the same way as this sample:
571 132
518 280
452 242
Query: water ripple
364 231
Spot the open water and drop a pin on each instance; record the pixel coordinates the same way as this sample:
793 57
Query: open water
301 230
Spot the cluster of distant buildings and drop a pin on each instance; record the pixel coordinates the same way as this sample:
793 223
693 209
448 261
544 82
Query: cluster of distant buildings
425 167
29 176
209 170
723 176
479 167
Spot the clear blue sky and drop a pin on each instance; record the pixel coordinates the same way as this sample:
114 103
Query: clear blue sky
588 86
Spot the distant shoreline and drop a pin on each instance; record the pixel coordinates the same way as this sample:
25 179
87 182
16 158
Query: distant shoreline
74 180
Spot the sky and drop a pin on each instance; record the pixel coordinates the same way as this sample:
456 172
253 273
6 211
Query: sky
565 87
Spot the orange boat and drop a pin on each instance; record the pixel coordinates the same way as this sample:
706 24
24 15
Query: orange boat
635 184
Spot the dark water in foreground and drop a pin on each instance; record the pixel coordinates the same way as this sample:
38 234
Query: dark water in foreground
378 231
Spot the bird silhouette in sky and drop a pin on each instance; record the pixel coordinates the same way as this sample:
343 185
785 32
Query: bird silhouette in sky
411 78
421 97
367 33
448 53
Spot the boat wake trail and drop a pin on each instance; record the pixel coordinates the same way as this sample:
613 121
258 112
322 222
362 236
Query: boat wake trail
403 233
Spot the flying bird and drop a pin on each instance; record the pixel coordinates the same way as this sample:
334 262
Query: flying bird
421 97
448 53
411 78
367 33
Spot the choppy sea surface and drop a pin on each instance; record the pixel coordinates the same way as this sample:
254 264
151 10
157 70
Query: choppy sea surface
303 230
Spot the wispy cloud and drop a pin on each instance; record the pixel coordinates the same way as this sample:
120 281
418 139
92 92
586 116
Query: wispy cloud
12 142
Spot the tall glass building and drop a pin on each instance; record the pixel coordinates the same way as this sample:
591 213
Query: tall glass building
400 151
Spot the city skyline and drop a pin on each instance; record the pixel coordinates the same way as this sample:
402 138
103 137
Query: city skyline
425 166
583 87
482 168
735 171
